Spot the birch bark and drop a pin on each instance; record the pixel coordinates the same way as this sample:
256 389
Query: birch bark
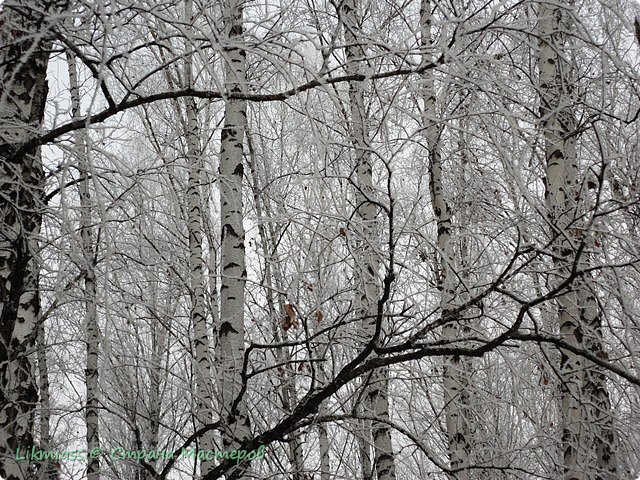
23 64
92 329
233 271
45 396
376 402
455 377
588 438
204 386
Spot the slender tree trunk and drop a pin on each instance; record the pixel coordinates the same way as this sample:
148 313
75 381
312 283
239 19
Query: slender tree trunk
204 386
376 401
595 392
23 65
45 400
212 266
231 332
323 435
158 351
456 372
588 439
92 330
325 463
378 394
365 272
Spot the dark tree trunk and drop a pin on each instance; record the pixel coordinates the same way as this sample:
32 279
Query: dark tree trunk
23 66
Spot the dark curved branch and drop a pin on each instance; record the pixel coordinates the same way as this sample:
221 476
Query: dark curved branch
122 106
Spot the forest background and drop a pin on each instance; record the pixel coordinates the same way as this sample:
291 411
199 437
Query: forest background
378 239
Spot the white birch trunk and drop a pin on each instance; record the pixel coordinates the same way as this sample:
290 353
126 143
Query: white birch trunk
202 363
23 64
50 468
367 262
325 463
92 331
455 377
598 404
588 439
233 271
45 394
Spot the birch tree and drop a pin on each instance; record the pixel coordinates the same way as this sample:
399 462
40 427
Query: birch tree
92 329
367 263
588 440
204 387
23 64
397 137
231 332
456 371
